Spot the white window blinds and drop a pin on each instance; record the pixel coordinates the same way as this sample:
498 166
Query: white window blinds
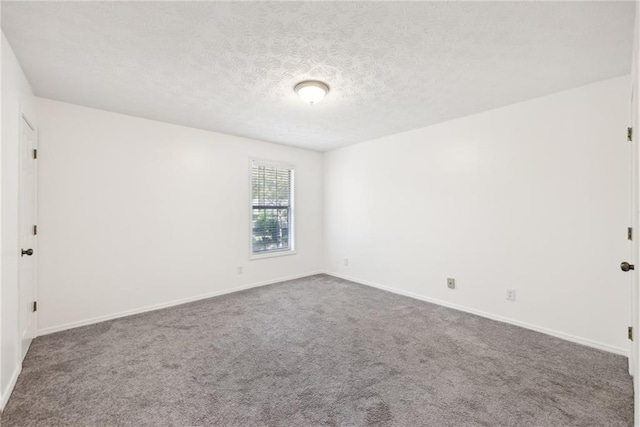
272 207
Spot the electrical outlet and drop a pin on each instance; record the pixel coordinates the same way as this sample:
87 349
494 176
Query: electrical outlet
346 262
511 294
451 283
240 269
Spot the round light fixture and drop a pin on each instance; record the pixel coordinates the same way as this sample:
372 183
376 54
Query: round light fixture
311 91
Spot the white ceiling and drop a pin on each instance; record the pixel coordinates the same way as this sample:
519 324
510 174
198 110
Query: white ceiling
231 67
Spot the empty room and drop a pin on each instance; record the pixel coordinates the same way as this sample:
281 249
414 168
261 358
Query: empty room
263 213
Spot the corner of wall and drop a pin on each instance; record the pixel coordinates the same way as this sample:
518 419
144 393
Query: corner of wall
6 393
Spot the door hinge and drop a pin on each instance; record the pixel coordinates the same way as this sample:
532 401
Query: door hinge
35 230
629 233
35 306
629 134
35 153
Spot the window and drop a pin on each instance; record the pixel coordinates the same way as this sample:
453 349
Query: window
271 209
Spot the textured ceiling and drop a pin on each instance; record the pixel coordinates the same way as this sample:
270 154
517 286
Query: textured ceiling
231 67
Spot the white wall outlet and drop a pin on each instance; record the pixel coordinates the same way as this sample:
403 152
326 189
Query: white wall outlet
240 269
451 283
346 262
511 294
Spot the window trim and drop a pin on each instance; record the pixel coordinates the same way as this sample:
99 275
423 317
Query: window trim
292 207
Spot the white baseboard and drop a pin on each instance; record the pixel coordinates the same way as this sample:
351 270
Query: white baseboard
552 332
99 319
6 394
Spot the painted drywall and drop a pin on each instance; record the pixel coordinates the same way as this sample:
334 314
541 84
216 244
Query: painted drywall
16 99
532 196
137 214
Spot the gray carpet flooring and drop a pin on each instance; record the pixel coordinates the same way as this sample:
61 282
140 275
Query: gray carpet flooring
311 352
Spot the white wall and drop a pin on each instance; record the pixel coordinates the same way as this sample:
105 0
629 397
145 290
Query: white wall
135 213
16 99
531 196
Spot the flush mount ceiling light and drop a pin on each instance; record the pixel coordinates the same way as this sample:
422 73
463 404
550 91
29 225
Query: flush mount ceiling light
311 91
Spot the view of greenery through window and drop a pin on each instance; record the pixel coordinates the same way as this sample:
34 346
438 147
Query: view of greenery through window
271 189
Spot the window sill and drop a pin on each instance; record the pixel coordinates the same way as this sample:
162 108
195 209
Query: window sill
273 254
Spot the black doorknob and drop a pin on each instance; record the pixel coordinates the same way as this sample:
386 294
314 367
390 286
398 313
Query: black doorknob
625 266
28 252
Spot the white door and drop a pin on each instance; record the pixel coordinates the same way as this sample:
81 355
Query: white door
634 122
632 234
27 234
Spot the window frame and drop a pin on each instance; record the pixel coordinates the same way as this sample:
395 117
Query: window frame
292 210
